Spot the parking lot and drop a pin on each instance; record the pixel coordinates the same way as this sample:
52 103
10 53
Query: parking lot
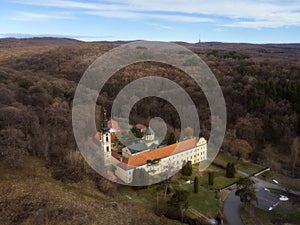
266 200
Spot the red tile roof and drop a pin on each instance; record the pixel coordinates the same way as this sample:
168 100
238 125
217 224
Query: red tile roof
159 153
116 155
98 135
142 127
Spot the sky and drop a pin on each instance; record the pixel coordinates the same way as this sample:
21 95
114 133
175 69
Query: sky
248 21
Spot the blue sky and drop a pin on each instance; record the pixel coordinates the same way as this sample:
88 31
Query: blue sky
252 21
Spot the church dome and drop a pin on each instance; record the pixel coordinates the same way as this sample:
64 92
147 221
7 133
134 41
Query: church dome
149 131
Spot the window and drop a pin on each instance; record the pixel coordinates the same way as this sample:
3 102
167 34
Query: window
107 148
107 138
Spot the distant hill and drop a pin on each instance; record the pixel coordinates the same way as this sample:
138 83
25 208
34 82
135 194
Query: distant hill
36 41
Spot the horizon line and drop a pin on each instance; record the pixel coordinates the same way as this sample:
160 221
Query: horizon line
83 38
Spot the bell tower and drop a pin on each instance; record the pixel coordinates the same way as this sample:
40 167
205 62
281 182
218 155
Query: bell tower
106 140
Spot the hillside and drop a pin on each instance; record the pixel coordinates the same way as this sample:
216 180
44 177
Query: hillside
38 77
31 196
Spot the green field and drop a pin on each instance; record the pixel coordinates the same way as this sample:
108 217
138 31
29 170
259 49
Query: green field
220 180
289 183
246 167
204 201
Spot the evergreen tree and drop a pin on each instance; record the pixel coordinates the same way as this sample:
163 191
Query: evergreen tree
196 185
136 132
171 139
187 169
238 155
211 177
179 201
227 169
245 190
230 170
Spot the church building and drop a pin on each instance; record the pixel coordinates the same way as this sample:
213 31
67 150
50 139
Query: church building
148 155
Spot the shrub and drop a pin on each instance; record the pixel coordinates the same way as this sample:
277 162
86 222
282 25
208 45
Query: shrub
12 147
106 186
187 169
230 170
211 176
196 185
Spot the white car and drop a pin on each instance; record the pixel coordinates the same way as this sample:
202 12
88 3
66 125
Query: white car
283 198
266 189
275 181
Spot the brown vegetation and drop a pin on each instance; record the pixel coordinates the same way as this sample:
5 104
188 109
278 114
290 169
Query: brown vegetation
38 78
260 85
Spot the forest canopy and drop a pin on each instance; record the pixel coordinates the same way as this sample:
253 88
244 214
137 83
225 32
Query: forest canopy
260 83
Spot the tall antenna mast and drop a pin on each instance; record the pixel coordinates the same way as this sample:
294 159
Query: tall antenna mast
199 41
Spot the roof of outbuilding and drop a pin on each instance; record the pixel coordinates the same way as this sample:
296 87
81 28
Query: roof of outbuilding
141 127
139 147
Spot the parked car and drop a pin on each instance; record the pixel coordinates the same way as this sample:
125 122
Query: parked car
283 198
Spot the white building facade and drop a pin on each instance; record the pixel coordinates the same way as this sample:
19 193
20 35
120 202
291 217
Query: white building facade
163 160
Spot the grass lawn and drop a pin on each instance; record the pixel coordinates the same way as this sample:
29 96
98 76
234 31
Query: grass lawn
220 180
146 197
279 215
247 167
204 201
291 183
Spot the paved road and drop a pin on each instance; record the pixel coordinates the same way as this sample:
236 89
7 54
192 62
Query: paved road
260 184
232 209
